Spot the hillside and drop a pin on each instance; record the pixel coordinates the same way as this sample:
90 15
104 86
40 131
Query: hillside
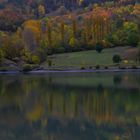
15 12
29 35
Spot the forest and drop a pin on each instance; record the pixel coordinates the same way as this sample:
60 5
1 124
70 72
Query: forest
30 33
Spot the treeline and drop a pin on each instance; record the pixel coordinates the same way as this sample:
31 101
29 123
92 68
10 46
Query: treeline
101 28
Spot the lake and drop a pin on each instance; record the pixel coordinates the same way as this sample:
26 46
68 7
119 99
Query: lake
70 106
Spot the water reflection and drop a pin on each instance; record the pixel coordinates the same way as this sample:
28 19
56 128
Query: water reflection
70 107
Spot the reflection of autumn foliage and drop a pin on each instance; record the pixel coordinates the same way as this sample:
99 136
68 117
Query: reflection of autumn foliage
95 105
38 104
36 113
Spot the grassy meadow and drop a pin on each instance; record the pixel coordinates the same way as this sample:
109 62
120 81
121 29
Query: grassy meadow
90 59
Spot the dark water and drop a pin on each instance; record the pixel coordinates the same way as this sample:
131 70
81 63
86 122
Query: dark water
70 106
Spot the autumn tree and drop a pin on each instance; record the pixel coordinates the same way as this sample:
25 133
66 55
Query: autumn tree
13 46
62 29
73 42
88 22
74 27
49 34
101 24
32 34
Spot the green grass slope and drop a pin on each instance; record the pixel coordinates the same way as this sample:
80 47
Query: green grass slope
91 58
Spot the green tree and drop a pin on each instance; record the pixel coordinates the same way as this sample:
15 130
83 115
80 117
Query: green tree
131 32
133 39
99 47
118 38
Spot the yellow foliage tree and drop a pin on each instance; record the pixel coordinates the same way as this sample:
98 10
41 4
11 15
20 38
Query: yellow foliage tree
32 33
62 31
41 11
73 42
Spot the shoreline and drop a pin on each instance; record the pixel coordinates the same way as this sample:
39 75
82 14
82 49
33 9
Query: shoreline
115 70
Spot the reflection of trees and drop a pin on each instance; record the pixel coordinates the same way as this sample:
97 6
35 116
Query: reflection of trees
117 79
94 104
39 100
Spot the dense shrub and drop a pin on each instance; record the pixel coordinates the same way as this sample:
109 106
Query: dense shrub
28 67
116 58
106 67
97 66
83 68
90 67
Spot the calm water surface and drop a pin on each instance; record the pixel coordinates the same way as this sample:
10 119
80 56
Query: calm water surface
70 106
